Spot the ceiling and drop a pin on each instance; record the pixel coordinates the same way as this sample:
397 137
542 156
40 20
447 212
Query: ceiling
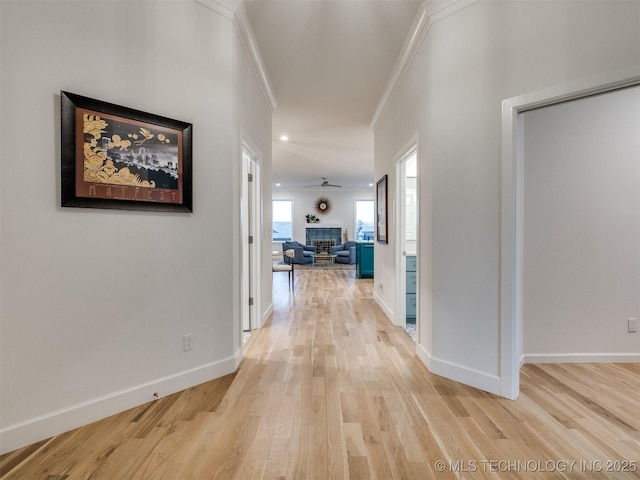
328 62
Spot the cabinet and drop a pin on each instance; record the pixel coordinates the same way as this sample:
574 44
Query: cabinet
411 289
364 259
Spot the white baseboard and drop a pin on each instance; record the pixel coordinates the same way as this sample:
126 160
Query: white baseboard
266 314
468 376
424 356
582 358
238 358
452 371
385 308
55 423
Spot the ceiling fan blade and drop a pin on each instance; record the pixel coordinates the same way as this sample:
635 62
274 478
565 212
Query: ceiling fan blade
325 183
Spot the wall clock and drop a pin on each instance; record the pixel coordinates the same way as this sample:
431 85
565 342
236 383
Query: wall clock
323 205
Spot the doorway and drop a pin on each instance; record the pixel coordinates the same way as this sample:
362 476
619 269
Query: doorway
407 241
581 234
251 241
512 209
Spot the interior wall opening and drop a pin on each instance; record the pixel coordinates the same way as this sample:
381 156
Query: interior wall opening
407 242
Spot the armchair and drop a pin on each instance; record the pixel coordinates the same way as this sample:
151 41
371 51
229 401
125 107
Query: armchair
345 253
302 253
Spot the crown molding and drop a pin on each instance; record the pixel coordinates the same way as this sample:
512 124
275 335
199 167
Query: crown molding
217 7
235 11
417 33
250 45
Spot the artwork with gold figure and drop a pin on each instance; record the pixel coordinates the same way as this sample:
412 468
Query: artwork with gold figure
123 158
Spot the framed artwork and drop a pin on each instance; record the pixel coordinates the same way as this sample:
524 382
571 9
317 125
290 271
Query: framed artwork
118 157
323 205
381 210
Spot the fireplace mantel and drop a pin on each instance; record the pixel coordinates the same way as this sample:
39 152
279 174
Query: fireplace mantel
324 225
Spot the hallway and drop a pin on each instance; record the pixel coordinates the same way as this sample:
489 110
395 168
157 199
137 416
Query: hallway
330 389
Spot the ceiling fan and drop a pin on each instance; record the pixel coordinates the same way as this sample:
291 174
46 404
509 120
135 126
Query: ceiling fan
325 183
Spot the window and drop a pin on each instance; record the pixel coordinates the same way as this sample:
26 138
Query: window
364 219
282 227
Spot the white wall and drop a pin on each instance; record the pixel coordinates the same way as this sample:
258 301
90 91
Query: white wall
254 115
95 302
581 272
451 98
342 213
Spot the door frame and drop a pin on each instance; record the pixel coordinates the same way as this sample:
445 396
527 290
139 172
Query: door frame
512 209
251 224
410 148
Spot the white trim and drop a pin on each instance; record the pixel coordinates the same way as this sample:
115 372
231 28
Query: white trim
217 7
249 43
417 33
400 310
408 149
320 225
244 30
512 208
423 355
251 198
60 421
383 306
267 313
238 357
468 376
581 358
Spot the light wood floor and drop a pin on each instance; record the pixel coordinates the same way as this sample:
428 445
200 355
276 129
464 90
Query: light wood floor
330 389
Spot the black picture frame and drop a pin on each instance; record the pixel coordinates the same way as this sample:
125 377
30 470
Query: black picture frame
382 228
120 158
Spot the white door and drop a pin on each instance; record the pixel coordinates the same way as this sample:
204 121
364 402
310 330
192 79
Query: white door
251 242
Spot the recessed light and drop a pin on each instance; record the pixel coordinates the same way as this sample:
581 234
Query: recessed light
277 184
284 138
371 184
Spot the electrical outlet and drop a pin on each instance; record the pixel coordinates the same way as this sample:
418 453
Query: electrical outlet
188 341
632 325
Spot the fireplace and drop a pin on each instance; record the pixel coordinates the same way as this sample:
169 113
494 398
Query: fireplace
317 232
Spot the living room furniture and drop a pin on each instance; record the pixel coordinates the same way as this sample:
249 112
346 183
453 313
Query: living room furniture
323 256
345 253
302 252
364 259
411 289
287 267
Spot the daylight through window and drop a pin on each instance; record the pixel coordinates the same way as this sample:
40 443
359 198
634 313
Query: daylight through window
282 226
364 219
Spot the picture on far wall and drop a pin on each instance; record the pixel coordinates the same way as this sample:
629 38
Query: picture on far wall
118 157
381 210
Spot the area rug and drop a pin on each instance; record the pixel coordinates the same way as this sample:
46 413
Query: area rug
323 266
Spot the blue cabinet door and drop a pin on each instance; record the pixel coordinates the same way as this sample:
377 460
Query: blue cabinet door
411 307
411 263
364 259
411 289
411 282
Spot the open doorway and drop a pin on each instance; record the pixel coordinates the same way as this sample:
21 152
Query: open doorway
581 229
512 351
407 242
